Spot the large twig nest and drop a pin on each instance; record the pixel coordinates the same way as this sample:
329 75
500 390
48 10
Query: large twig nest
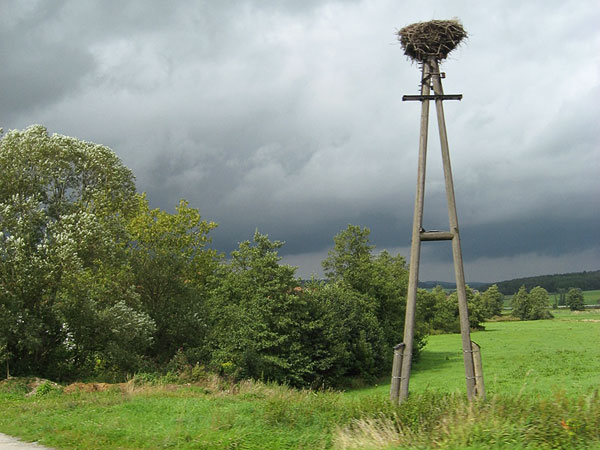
436 38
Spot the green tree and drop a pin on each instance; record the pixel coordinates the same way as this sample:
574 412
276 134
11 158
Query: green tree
520 304
427 302
349 341
31 331
350 259
539 304
106 330
264 325
493 301
477 312
388 287
438 311
382 277
257 320
64 174
63 203
574 299
171 267
533 305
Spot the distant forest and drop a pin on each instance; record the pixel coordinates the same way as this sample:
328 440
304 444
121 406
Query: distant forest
586 281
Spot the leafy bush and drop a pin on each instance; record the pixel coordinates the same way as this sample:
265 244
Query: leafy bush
46 388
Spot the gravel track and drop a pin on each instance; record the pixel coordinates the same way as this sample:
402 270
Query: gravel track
11 443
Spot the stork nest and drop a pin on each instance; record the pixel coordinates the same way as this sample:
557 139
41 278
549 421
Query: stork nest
436 38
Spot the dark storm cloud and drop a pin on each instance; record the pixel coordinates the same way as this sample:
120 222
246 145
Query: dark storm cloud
286 116
38 67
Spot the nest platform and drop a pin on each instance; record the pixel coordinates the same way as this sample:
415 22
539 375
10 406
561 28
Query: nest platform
436 38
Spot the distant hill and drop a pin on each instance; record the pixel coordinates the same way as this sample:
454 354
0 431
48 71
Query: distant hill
586 281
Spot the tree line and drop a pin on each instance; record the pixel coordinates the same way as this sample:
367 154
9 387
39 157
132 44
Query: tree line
96 284
561 283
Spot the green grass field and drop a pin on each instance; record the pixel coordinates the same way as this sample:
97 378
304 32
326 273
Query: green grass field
541 377
591 297
530 357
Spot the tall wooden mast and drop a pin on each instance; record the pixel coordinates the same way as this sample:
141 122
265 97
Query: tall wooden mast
431 79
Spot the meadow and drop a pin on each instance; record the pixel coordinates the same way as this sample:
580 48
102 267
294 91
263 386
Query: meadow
541 379
592 297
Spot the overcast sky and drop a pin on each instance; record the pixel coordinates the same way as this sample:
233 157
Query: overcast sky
286 116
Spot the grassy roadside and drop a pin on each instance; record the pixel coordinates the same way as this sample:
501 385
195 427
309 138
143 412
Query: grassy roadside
249 415
542 380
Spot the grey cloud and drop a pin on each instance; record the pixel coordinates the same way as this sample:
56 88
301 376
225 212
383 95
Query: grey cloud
287 116
38 68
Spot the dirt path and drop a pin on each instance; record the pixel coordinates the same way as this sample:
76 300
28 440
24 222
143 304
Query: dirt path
11 443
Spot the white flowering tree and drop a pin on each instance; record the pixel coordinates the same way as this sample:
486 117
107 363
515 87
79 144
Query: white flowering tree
67 298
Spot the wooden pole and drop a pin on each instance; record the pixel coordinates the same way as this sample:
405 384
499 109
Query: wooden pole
396 372
478 366
456 248
415 249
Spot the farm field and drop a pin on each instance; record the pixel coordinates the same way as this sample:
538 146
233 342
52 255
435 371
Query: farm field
527 357
541 377
591 297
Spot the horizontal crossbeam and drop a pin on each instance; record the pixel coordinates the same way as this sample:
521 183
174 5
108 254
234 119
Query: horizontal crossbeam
420 98
436 235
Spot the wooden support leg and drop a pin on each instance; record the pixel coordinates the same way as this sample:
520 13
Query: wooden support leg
456 248
415 250
478 366
396 372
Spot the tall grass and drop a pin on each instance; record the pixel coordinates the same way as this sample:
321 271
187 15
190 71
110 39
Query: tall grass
501 422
